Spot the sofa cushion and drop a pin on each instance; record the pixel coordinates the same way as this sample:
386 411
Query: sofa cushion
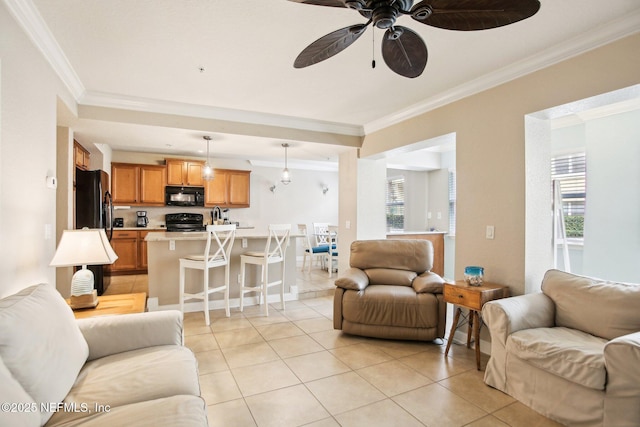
390 306
604 309
38 331
413 255
568 353
183 411
428 282
25 412
389 276
133 376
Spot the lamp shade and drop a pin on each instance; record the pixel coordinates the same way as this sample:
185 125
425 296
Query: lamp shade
83 247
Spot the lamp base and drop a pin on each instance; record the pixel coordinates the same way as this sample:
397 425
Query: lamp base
84 301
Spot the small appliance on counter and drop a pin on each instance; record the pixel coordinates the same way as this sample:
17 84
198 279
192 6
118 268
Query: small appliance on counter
118 222
143 220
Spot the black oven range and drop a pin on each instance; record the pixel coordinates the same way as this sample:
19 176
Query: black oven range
184 222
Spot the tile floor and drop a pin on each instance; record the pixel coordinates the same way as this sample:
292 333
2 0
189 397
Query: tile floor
293 369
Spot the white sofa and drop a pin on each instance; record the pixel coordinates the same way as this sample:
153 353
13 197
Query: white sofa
105 371
571 352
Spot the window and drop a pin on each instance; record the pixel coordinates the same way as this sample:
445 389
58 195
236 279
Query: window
452 203
570 171
395 203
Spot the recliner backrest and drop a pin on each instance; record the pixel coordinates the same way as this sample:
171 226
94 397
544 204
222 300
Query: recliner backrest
412 255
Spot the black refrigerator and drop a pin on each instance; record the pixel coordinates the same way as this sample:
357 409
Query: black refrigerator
94 209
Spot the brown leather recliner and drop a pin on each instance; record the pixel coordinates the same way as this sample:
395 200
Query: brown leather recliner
390 292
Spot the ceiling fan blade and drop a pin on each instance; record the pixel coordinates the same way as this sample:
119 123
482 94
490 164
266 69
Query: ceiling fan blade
329 45
404 51
333 3
471 15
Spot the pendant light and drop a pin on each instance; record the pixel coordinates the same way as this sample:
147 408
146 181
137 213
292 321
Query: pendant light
207 170
285 178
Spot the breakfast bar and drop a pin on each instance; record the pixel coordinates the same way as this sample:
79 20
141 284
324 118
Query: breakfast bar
164 250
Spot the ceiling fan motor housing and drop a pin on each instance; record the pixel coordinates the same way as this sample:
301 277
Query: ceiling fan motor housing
384 13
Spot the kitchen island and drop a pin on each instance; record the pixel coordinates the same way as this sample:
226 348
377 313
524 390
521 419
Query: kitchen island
435 237
164 250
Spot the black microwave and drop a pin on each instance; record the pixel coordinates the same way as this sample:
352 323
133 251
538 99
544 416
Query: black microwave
183 196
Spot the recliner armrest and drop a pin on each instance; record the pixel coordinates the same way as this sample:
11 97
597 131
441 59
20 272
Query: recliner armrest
353 279
116 334
508 315
428 282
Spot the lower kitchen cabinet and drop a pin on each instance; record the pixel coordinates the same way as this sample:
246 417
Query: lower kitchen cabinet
131 249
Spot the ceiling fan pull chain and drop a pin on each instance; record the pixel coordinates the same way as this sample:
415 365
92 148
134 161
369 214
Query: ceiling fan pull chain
373 48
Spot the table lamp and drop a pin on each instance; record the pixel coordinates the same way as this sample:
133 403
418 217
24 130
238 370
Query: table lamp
83 247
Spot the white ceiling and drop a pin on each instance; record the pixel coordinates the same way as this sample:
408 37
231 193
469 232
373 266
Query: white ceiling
148 54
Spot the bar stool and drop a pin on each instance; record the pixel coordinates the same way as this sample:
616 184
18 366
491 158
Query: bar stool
216 254
333 251
274 252
311 252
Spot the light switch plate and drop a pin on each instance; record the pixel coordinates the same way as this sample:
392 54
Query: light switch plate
490 232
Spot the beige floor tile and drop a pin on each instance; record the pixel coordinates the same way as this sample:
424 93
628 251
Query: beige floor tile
399 349
291 406
260 319
218 387
344 392
436 366
334 339
393 377
317 324
279 330
319 301
264 377
301 313
470 386
316 365
238 337
326 311
488 421
295 346
434 402
520 415
250 354
327 422
229 324
196 329
211 361
360 355
233 413
202 342
380 414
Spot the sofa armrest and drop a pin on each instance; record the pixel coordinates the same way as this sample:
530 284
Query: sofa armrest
353 279
622 399
116 334
508 315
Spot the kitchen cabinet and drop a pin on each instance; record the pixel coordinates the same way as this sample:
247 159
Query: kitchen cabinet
184 172
136 184
81 157
131 249
228 189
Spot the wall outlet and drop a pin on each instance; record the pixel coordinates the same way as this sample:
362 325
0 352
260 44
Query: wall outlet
239 278
244 243
428 215
439 215
347 225
172 245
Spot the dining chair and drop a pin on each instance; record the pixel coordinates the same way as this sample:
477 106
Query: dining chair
274 252
332 231
217 250
311 252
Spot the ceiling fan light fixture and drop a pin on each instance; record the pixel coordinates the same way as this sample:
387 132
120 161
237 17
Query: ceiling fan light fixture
421 13
285 177
207 170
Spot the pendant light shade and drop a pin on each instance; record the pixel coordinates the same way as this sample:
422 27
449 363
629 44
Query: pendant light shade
207 170
285 177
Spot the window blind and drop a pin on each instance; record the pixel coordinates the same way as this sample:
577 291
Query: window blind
452 203
395 203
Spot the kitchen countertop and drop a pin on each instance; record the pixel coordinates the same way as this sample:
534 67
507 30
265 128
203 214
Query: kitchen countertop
241 233
158 228
415 232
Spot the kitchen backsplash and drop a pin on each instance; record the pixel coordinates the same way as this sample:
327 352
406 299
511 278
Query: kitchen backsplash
156 215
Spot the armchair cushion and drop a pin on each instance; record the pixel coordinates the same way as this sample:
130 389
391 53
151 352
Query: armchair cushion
37 325
413 255
388 276
353 279
574 297
568 353
12 392
428 282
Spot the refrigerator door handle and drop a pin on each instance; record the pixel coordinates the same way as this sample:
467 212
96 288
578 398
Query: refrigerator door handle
108 215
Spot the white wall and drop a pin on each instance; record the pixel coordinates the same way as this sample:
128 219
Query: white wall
29 90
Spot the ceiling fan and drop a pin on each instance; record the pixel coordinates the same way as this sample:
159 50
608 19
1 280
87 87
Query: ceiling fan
403 49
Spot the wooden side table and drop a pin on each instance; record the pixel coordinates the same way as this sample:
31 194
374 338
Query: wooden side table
114 304
472 298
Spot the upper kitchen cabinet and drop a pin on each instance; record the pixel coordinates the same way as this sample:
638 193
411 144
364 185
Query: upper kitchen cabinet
81 156
184 172
135 184
228 189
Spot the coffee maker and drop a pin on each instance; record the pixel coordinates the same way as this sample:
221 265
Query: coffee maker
143 220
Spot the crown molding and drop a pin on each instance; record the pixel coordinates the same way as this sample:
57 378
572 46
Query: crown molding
106 100
27 16
595 38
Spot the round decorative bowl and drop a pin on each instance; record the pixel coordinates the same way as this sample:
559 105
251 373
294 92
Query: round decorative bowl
473 275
